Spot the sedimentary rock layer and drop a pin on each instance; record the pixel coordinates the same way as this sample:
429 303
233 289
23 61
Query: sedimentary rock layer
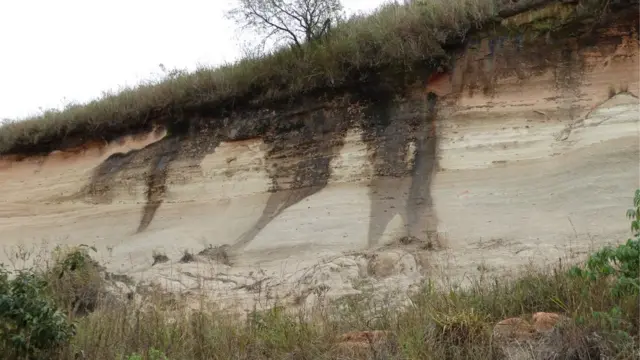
521 150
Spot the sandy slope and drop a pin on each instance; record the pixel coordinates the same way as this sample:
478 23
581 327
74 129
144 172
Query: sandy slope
519 180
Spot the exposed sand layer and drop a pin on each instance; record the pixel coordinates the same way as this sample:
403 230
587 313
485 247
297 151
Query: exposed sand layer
521 177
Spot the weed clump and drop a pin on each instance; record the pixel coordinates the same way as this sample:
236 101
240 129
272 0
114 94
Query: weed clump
76 281
187 257
217 253
159 258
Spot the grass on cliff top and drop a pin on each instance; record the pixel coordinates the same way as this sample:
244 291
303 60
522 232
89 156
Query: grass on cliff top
395 35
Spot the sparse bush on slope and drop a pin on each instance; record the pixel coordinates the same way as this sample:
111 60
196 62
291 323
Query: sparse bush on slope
620 264
75 280
38 306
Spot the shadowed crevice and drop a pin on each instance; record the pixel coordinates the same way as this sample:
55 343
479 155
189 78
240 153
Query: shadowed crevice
156 182
299 165
569 76
192 149
400 187
157 159
421 217
298 162
119 166
125 168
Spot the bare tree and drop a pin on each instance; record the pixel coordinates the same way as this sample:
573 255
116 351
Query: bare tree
294 21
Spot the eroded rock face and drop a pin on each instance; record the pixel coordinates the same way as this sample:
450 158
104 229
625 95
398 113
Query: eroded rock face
518 151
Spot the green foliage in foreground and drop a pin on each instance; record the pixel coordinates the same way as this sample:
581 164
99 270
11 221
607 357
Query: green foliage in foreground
37 307
620 264
31 325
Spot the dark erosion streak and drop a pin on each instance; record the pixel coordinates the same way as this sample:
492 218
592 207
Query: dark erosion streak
398 187
299 163
158 159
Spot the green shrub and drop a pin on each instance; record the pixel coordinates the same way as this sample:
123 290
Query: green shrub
31 327
616 271
620 264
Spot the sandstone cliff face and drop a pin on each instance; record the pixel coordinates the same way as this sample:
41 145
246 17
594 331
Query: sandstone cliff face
523 149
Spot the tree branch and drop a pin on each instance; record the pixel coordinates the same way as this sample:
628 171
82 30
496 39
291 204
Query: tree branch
291 19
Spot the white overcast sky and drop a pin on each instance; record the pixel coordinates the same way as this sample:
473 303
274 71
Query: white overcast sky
53 52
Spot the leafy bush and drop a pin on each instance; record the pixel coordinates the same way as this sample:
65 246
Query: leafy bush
31 326
621 264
